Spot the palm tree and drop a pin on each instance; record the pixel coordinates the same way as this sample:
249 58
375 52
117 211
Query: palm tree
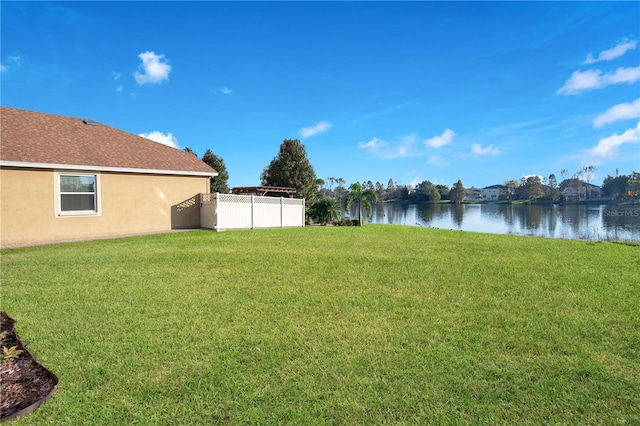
320 183
365 198
325 211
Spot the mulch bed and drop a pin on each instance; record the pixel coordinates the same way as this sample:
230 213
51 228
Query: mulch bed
24 382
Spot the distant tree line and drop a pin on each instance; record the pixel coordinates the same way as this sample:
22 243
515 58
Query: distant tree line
426 191
619 188
325 198
622 188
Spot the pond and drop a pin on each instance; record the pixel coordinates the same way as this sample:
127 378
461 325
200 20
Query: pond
574 221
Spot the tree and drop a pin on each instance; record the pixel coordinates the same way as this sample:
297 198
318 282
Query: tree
219 183
380 191
589 173
391 189
325 211
510 188
320 184
425 192
573 188
365 198
402 192
434 195
291 168
457 193
340 192
554 192
532 188
616 187
331 180
190 151
421 192
633 187
444 191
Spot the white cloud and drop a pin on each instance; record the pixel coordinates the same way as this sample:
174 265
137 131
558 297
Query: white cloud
625 111
402 151
437 141
402 148
406 146
316 129
115 76
608 146
224 91
155 69
415 182
477 149
160 137
12 59
437 161
525 177
613 53
374 144
595 79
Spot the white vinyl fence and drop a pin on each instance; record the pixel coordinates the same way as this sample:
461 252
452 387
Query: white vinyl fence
230 211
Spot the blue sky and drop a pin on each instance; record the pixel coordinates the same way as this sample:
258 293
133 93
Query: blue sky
412 91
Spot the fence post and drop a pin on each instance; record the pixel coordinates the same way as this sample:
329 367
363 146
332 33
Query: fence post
281 212
216 214
253 203
303 209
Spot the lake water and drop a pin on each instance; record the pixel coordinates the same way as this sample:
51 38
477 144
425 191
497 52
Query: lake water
584 222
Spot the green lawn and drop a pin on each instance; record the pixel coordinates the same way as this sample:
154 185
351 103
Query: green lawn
374 325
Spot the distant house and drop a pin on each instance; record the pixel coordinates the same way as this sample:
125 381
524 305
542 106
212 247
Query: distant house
473 195
67 178
493 192
576 190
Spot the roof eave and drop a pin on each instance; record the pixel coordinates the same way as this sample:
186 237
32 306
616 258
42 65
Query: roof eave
21 164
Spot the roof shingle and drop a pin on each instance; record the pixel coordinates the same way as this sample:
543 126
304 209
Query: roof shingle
38 138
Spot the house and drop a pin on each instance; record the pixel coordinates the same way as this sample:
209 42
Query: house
67 178
473 195
493 192
577 190
593 191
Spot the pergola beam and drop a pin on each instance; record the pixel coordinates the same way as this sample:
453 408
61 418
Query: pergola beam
265 191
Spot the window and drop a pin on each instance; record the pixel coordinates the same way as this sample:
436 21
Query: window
77 194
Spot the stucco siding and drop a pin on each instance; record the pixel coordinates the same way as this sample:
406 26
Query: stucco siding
129 203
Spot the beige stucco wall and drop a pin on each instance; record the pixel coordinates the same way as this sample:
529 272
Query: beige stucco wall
130 203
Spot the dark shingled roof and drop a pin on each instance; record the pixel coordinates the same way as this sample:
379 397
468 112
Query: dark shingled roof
47 139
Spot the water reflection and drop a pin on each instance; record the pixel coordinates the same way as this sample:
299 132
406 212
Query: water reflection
428 215
620 221
457 214
591 222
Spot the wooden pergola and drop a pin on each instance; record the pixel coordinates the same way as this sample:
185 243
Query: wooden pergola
265 191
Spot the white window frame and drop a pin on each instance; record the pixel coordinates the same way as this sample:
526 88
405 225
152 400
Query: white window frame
58 195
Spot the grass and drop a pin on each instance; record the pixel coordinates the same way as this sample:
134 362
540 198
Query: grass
374 325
